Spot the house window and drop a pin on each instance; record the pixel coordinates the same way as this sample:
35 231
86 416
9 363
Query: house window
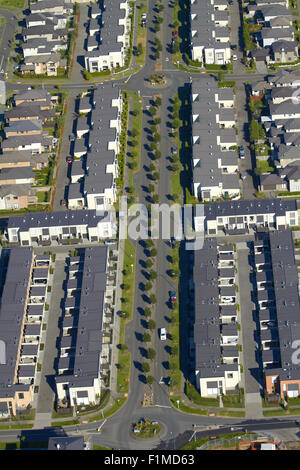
21 396
230 376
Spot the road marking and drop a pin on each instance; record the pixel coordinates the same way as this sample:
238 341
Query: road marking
163 406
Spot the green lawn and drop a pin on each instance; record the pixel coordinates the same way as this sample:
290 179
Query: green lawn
43 196
12 3
141 34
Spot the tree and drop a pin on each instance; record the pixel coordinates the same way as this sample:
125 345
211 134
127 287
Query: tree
155 176
147 312
153 274
149 243
157 154
153 252
134 133
150 379
156 137
152 299
151 188
158 101
175 47
175 167
146 338
155 198
151 167
151 354
152 110
148 286
151 325
130 189
149 263
174 350
157 121
176 123
145 367
123 347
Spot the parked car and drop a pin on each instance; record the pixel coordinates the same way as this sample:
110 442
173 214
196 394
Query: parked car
242 152
233 47
173 150
71 137
69 159
173 296
175 33
144 16
235 57
163 334
63 203
243 176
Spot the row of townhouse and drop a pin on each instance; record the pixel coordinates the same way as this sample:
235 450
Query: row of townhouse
21 316
93 226
53 228
84 350
108 36
277 288
244 215
214 155
274 34
92 177
45 36
210 32
217 369
25 146
281 122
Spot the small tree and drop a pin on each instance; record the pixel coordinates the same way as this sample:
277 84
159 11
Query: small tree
147 312
146 338
149 263
158 100
153 274
152 110
150 379
152 299
153 252
148 286
151 325
151 188
151 354
145 367
155 198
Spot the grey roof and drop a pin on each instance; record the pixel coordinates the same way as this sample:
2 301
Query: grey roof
54 219
16 173
26 125
12 311
284 46
66 443
246 207
88 344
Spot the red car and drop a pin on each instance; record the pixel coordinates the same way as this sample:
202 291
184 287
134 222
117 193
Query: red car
175 33
69 159
173 297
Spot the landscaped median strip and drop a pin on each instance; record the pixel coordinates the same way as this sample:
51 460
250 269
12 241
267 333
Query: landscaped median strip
178 403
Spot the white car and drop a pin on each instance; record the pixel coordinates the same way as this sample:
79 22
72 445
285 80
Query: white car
163 334
144 16
234 57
